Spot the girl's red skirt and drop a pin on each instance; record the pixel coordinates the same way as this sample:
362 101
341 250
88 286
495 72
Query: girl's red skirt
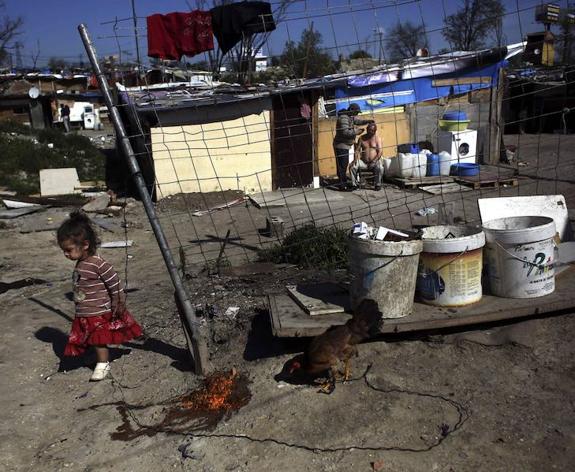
101 330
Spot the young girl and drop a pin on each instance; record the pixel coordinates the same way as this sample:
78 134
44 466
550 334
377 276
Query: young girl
101 315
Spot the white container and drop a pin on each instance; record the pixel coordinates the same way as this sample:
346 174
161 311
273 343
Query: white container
419 165
384 271
450 265
405 165
391 166
520 254
461 145
445 162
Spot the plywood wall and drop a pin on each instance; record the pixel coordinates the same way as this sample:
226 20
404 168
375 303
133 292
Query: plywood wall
234 154
393 128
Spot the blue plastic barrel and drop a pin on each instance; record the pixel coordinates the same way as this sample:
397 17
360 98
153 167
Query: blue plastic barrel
432 164
414 149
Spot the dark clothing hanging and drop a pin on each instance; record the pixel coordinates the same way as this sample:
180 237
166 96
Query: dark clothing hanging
174 35
230 22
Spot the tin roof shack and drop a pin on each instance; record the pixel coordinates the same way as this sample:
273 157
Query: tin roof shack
34 98
409 99
218 138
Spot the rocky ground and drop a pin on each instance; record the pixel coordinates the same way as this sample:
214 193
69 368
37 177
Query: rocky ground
499 398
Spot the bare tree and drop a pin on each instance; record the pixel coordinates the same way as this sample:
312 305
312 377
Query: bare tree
468 28
9 29
404 39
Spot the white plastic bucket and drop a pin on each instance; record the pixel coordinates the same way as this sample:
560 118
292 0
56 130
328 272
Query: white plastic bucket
445 162
450 265
520 255
405 165
384 271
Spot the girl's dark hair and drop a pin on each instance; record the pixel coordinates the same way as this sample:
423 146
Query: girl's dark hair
78 228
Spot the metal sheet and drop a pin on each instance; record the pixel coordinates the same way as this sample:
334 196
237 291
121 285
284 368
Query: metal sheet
552 206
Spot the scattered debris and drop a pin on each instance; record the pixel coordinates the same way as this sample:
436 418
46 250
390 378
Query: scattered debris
117 244
235 202
101 202
232 312
107 226
10 204
274 226
364 231
16 212
426 211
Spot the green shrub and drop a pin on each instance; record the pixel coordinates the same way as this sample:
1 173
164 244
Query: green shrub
311 247
21 159
10 126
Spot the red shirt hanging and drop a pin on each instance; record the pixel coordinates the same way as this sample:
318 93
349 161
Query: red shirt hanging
174 35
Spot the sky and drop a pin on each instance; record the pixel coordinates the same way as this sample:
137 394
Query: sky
50 26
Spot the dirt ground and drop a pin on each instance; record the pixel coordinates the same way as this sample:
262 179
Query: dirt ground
497 398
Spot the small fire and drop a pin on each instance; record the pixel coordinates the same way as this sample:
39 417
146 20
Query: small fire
215 395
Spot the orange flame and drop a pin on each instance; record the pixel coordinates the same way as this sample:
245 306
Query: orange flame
215 395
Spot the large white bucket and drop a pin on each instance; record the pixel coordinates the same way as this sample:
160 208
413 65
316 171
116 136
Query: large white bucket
520 255
450 265
384 271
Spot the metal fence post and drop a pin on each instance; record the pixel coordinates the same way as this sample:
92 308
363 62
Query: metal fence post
191 324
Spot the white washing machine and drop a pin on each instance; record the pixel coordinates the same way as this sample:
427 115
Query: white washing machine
462 145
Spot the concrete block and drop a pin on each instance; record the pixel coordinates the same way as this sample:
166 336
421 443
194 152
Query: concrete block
58 181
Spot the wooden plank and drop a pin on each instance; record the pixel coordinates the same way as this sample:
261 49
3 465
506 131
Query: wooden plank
496 121
441 189
419 181
460 81
487 180
320 299
289 320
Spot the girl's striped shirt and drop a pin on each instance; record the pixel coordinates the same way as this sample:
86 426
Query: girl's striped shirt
97 287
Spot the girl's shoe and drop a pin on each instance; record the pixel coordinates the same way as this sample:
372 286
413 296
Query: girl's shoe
100 372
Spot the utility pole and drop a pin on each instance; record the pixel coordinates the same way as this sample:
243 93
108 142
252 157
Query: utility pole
379 32
135 17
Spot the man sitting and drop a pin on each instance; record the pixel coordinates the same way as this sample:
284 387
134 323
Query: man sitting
368 157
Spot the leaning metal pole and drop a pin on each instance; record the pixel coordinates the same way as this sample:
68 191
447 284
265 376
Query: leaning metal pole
196 341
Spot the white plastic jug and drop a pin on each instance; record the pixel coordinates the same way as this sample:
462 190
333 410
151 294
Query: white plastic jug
445 162
419 165
391 166
406 164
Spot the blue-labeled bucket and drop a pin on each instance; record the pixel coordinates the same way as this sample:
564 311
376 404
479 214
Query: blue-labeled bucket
433 165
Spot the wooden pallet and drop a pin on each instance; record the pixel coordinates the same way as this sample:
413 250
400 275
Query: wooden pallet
419 181
288 319
487 180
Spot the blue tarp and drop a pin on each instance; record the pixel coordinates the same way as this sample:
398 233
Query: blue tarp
404 92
